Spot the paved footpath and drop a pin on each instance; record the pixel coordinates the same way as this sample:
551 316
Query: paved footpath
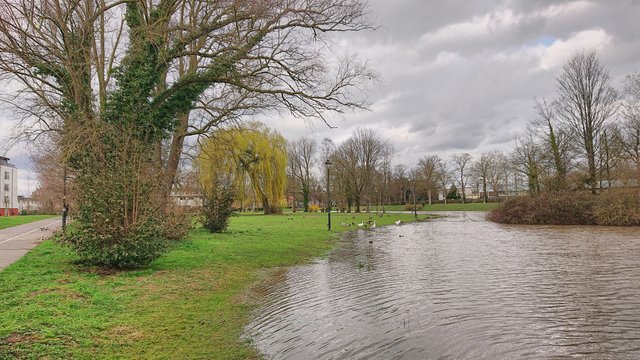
18 240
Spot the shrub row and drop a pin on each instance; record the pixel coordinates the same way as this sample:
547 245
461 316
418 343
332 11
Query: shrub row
620 207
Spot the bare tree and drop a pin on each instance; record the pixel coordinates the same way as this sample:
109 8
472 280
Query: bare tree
460 164
556 138
428 166
443 176
630 125
301 161
527 157
586 100
414 177
400 181
499 166
357 159
482 169
384 176
176 68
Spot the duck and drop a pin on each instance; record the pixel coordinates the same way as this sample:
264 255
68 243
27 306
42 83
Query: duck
361 224
373 226
398 222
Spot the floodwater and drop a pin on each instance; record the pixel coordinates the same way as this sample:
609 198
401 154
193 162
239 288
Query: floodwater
461 287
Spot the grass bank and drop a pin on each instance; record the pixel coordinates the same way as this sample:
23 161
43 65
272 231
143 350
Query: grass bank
9 221
191 304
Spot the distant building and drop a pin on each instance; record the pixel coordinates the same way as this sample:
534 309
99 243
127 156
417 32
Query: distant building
27 205
8 188
186 198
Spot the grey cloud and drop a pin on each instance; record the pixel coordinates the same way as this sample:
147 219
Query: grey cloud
475 93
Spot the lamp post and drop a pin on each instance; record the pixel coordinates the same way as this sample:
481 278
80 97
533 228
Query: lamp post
327 164
65 206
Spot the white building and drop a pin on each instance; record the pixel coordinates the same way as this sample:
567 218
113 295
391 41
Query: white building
27 205
8 188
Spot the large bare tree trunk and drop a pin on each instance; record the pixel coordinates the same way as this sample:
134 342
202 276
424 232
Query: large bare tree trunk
175 152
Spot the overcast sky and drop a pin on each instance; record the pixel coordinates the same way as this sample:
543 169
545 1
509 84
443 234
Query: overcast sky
461 76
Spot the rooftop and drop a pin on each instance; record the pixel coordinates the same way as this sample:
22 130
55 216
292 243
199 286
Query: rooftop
5 161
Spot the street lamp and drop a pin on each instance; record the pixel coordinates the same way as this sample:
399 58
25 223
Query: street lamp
327 164
65 206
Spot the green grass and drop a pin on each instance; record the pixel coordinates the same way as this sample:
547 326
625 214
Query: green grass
193 303
447 207
9 221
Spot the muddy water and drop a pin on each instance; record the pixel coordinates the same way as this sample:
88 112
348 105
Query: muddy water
461 287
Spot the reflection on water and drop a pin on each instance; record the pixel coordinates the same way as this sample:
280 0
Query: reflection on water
461 287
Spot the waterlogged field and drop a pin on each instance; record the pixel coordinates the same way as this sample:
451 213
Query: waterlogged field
460 287
192 303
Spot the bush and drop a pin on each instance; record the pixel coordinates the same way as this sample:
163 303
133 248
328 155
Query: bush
314 208
218 206
409 206
120 217
613 207
177 222
553 208
131 248
618 207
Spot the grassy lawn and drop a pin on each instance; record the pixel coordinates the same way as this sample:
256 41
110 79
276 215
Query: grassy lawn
447 207
9 221
191 304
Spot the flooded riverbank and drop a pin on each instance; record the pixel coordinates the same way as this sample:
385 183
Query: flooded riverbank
460 287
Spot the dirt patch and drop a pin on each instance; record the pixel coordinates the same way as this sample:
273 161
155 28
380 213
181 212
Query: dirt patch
126 333
64 281
63 292
19 338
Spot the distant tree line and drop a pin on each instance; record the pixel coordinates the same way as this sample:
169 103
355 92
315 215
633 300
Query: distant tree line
585 138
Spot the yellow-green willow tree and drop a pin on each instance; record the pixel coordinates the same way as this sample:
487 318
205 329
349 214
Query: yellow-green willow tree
252 152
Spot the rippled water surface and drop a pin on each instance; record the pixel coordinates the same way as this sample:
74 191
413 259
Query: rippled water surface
461 287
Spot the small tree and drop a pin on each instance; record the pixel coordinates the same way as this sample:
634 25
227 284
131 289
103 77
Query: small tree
218 204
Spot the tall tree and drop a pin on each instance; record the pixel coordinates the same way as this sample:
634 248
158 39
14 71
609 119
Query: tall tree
254 152
302 159
482 169
400 181
630 126
586 100
428 165
443 176
556 139
499 166
358 159
527 157
461 163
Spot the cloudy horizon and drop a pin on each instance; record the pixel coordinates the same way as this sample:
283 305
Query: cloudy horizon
458 76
